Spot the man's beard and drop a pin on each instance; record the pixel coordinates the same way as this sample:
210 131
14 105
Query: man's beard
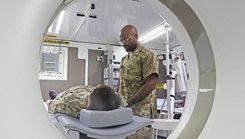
131 47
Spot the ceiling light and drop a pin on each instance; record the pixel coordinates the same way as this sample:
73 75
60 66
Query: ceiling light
60 20
58 25
50 29
153 33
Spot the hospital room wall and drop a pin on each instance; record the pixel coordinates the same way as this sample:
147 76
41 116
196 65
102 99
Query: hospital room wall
76 72
95 72
75 75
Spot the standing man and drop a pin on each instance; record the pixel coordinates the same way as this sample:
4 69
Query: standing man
138 78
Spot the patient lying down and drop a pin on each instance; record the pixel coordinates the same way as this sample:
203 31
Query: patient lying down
71 101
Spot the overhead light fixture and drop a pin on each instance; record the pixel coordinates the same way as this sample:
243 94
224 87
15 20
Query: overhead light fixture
153 33
50 29
60 20
58 25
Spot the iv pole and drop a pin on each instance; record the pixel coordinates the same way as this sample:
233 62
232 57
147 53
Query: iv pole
170 77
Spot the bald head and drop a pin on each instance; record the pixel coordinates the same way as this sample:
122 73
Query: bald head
129 38
130 29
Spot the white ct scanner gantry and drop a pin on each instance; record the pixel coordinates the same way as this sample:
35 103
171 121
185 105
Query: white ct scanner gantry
212 34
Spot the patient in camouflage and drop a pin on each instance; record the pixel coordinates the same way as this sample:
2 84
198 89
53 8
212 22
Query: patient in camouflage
72 100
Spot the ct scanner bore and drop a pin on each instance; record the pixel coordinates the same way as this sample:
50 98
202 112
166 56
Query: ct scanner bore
22 30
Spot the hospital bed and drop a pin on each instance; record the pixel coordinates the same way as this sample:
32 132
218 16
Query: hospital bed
114 124
106 124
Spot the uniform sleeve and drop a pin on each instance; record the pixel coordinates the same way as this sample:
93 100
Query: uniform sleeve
150 65
69 107
56 106
70 102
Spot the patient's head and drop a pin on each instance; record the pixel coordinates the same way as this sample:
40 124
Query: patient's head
103 98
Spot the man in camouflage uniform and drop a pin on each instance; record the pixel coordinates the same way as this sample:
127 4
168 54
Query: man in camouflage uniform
71 101
138 77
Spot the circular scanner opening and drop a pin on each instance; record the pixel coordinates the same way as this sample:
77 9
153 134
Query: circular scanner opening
188 42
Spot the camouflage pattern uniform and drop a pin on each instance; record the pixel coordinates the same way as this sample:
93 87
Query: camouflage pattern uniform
71 101
135 67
